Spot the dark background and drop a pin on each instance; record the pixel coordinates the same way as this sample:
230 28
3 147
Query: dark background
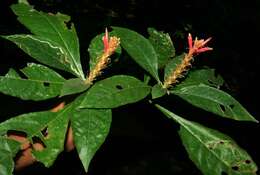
146 142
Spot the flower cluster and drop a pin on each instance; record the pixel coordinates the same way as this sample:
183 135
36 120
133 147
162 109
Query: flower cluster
110 45
195 47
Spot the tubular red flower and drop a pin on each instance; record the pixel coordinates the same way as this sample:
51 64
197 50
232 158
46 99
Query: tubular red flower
106 41
204 49
190 41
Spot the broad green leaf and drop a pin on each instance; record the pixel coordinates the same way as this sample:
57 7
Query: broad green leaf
158 91
213 152
96 48
114 92
40 72
202 76
140 49
163 46
43 50
215 101
73 86
90 129
8 150
54 139
49 127
59 33
172 65
41 83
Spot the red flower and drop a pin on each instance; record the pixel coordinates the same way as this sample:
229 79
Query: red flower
106 41
198 45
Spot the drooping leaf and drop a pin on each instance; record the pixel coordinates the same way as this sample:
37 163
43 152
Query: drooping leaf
8 150
73 86
215 101
158 91
96 48
90 129
163 46
58 33
213 152
140 49
114 92
202 76
48 127
172 64
41 83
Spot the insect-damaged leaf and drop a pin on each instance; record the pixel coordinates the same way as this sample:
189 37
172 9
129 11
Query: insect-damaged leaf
163 46
53 32
215 101
41 83
213 152
114 92
47 127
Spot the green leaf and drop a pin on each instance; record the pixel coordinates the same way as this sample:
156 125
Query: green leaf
163 46
215 101
114 92
9 145
140 49
73 86
6 162
213 152
43 50
158 91
49 127
90 129
96 48
172 64
42 83
202 76
8 150
55 31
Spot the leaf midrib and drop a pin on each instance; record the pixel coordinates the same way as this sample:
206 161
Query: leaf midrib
64 43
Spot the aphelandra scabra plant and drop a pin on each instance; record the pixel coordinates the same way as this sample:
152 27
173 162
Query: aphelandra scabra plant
86 117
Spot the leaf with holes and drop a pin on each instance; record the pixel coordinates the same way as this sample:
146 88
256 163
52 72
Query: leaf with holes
96 48
215 101
163 46
8 150
213 152
90 129
114 92
172 64
140 49
53 32
48 128
202 76
41 83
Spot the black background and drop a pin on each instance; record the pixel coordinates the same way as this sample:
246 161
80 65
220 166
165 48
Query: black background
147 142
